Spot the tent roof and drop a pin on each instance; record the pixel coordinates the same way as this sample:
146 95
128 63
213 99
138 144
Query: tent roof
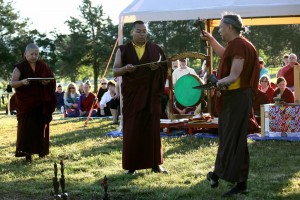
272 12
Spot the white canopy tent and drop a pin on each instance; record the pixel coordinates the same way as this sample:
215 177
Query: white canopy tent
253 12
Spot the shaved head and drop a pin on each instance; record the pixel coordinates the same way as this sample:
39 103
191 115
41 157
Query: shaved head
31 46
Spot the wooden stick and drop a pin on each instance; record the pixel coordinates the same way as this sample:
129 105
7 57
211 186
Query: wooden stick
150 63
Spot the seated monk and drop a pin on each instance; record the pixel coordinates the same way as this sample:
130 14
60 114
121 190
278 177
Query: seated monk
259 99
283 92
86 101
289 77
288 71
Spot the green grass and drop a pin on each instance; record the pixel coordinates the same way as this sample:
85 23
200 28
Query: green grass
89 156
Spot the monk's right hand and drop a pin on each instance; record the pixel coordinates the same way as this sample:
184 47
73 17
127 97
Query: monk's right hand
25 81
206 36
129 68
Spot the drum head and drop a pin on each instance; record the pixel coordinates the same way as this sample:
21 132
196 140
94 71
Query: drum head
184 92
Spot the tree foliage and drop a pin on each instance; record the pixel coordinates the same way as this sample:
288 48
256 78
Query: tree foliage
89 44
86 50
9 27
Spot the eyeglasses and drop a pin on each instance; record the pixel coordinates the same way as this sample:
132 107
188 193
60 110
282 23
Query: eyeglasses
103 83
71 88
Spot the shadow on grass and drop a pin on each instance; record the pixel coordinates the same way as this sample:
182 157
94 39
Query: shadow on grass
273 166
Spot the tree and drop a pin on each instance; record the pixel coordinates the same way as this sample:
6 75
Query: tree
9 27
71 49
14 37
101 35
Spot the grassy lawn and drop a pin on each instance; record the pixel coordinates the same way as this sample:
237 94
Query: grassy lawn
89 156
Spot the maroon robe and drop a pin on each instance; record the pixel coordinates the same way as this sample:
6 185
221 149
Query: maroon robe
289 76
142 91
85 103
35 104
232 162
269 92
287 95
260 98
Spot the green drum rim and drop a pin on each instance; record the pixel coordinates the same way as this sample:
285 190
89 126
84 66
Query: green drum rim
184 92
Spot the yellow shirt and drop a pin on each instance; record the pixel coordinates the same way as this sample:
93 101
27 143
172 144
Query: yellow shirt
235 85
139 50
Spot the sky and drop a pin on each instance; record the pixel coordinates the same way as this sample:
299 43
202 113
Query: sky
49 15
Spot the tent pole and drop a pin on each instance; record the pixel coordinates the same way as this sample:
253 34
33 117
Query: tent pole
209 62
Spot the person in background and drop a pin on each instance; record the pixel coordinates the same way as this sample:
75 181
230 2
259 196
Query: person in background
238 76
182 70
175 64
59 97
203 71
259 99
142 87
101 91
263 69
165 97
110 102
87 101
265 86
35 103
292 58
80 88
282 92
71 98
288 71
285 60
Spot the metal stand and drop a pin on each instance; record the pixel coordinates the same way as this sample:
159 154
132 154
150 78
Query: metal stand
105 187
55 194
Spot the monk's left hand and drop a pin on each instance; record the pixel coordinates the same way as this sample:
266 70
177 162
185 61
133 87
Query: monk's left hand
45 82
153 66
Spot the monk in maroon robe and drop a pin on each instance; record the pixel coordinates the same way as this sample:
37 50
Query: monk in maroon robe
35 103
289 77
142 88
86 101
239 73
282 92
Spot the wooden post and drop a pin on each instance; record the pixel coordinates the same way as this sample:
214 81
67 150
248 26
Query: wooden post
262 120
209 63
297 83
171 91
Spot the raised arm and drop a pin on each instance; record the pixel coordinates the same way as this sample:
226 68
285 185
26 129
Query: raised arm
218 48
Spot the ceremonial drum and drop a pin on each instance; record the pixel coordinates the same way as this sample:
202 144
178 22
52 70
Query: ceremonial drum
184 92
